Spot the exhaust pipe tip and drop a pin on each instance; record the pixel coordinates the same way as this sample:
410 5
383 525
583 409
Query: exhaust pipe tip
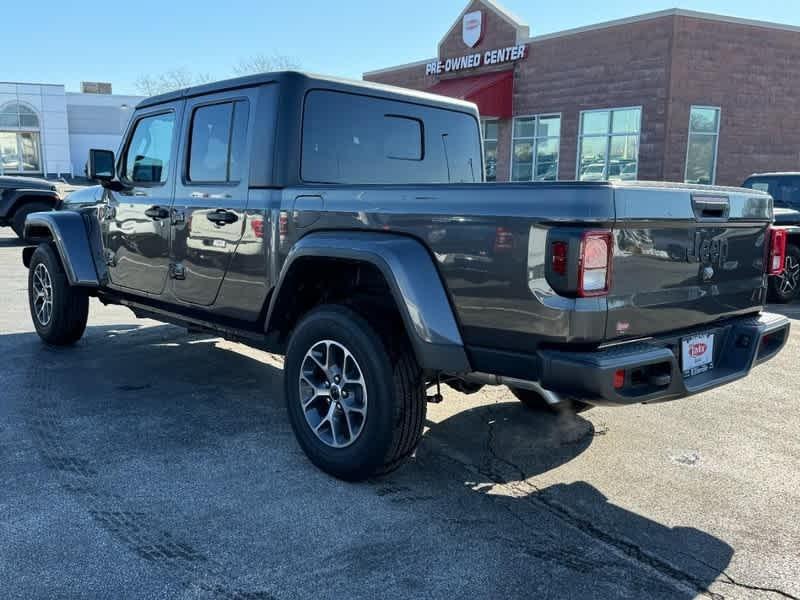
552 398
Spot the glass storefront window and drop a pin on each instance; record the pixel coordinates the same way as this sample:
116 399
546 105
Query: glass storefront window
490 136
20 147
701 152
20 152
535 148
609 144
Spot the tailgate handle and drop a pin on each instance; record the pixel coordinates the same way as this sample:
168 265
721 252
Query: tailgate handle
711 207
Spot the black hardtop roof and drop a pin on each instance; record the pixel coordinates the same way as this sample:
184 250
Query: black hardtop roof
309 81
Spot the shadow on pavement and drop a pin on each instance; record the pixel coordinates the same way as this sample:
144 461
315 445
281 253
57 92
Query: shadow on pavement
521 444
171 443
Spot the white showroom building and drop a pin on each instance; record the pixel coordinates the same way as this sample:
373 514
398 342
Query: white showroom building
47 131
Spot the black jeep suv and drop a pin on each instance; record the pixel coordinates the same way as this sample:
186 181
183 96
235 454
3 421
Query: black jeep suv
21 196
785 191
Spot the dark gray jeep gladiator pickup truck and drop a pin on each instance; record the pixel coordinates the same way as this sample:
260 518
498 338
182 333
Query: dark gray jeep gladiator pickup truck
347 226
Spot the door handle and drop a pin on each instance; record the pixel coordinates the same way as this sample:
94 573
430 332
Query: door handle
709 208
222 217
156 213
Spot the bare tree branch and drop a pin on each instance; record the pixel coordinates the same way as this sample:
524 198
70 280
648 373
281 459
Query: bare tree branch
261 63
181 77
173 79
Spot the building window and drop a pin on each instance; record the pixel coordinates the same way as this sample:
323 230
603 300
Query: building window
490 134
608 148
20 148
534 148
701 152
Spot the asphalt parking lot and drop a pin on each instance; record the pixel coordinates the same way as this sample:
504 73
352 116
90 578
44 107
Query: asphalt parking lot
147 463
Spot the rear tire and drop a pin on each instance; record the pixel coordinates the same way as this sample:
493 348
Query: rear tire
534 401
18 220
369 420
59 311
785 287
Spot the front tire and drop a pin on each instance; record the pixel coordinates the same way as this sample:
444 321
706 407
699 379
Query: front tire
59 311
785 287
356 403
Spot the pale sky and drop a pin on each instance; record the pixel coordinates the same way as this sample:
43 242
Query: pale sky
120 41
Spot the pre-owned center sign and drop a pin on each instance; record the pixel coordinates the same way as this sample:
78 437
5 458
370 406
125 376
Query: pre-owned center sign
471 61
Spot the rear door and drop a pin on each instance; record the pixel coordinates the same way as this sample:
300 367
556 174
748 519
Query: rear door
136 221
685 257
209 212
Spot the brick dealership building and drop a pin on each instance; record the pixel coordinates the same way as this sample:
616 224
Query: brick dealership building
674 95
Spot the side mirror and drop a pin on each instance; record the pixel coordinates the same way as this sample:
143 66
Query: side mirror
101 165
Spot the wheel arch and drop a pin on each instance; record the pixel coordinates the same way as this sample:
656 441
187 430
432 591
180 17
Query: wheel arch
67 231
409 274
18 198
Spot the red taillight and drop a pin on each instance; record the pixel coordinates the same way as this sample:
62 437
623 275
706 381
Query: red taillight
594 272
619 379
777 251
503 239
257 223
558 260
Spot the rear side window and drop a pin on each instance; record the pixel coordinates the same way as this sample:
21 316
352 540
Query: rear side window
787 192
761 186
217 143
784 190
353 139
150 149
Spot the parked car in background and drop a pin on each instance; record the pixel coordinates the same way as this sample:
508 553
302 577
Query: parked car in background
593 172
21 196
628 172
785 191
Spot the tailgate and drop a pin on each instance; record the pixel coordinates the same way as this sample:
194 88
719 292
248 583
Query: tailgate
685 256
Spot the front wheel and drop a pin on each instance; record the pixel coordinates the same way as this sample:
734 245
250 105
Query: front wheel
356 404
784 288
59 311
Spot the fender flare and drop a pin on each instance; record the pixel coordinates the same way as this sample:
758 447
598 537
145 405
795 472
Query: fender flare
68 232
13 200
413 281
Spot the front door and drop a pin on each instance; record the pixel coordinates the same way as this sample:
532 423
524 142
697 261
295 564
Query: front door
137 219
211 196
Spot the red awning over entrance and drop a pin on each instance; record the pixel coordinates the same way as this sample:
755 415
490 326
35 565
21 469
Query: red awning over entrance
493 92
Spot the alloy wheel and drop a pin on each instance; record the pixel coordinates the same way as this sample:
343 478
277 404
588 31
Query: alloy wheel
333 394
42 295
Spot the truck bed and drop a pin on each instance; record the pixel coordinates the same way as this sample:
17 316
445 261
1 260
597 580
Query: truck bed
490 244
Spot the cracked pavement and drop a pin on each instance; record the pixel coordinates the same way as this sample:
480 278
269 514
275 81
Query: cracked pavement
147 463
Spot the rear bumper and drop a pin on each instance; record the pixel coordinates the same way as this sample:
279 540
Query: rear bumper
652 367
